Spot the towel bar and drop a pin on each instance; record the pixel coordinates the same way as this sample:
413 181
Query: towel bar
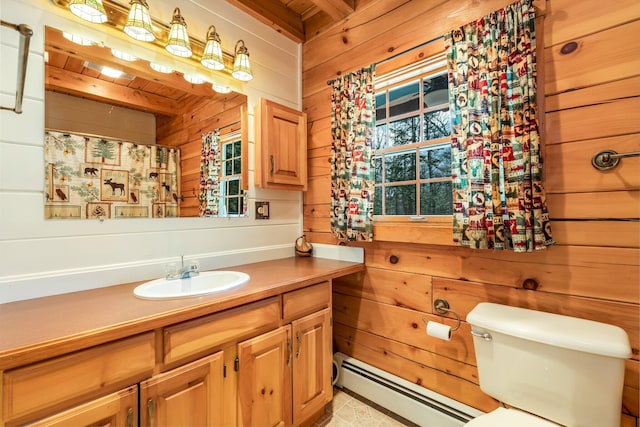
25 37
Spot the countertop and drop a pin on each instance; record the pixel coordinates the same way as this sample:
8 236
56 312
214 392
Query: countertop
40 328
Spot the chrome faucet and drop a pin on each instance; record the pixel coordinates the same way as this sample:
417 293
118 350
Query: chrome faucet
190 270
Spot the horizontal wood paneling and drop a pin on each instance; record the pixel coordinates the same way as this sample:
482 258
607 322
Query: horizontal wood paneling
592 104
614 50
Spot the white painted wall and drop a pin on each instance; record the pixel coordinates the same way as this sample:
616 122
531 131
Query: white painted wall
41 257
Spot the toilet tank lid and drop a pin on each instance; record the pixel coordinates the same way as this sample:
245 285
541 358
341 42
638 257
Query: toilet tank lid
553 329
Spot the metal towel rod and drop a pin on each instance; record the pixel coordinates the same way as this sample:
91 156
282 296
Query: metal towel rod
25 37
609 159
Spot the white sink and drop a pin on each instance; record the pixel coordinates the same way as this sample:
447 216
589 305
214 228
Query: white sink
207 282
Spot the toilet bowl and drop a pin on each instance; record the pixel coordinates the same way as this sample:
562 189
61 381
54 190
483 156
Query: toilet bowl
550 370
503 417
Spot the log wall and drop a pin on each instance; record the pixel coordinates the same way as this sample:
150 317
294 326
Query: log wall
185 131
591 102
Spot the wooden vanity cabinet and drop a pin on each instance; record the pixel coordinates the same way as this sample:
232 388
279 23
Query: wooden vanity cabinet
116 409
281 147
285 375
191 395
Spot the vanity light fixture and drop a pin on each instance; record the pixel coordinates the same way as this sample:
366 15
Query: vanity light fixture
138 24
194 79
123 55
241 66
178 43
212 55
161 68
78 39
221 88
89 10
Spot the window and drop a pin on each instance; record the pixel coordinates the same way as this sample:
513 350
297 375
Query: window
231 193
413 146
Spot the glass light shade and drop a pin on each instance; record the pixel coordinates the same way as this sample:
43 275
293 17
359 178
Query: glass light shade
161 68
212 55
89 10
194 79
241 66
178 43
138 24
123 55
111 72
78 39
221 88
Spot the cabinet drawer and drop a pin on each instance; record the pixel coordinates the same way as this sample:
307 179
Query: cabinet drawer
296 304
38 390
197 337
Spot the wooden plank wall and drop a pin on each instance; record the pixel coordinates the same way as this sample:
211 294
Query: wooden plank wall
591 102
200 115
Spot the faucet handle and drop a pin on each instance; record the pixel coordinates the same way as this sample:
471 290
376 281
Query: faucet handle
194 266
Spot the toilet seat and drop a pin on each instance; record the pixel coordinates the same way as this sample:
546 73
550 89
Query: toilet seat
503 417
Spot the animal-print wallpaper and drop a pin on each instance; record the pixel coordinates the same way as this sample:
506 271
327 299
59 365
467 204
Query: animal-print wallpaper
100 178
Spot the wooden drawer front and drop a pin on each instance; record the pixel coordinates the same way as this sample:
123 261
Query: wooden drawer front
304 301
40 389
197 337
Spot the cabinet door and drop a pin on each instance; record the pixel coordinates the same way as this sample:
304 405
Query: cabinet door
116 409
311 364
264 379
191 395
282 147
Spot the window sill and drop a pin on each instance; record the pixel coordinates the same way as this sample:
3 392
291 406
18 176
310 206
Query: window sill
411 232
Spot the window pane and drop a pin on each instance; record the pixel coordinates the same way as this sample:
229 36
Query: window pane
400 166
437 124
237 165
237 149
436 91
400 200
233 206
234 187
377 201
404 99
436 198
228 168
381 105
435 161
381 137
378 169
228 151
405 131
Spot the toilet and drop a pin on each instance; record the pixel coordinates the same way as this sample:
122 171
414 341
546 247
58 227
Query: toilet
549 370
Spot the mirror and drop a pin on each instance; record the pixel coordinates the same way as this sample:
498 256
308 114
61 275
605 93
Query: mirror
131 145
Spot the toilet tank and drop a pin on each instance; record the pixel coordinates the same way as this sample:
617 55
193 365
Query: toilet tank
561 368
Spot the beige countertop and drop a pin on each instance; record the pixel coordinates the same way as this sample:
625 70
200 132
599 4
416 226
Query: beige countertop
40 328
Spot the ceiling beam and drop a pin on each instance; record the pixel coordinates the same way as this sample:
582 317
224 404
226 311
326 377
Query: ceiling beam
336 9
59 80
276 15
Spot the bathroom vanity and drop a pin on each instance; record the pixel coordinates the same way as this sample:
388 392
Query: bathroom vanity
259 354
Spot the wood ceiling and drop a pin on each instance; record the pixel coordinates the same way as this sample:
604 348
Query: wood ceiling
67 72
299 20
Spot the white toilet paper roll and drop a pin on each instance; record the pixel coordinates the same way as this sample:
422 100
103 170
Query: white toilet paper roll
439 330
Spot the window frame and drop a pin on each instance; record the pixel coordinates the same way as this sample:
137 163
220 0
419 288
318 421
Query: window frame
432 66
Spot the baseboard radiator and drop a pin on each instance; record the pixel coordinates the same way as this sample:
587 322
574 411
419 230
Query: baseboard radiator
410 401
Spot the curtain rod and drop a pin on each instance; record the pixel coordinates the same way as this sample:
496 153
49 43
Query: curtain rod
330 82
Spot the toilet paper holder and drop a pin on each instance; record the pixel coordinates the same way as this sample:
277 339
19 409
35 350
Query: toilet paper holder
442 306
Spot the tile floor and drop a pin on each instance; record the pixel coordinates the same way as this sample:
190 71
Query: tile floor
350 410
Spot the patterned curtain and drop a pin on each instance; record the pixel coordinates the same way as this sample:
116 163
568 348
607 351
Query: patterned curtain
498 196
210 173
353 120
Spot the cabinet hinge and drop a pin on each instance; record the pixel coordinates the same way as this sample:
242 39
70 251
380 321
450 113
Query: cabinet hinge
236 364
224 370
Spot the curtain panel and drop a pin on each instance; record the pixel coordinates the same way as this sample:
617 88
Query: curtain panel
352 163
210 163
498 195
